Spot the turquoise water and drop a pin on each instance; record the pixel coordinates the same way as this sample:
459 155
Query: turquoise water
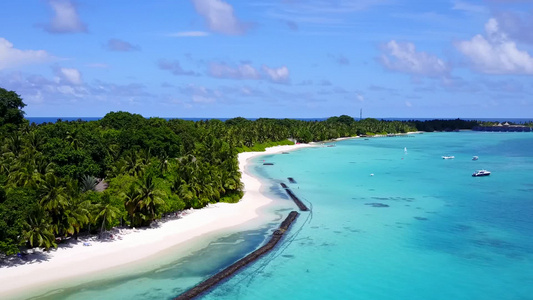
167 275
420 228
442 234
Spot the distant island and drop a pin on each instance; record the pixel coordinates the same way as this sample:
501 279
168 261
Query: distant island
68 178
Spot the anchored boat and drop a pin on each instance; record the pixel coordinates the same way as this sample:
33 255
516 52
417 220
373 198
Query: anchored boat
480 173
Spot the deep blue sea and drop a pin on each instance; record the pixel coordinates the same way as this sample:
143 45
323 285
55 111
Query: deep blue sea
390 219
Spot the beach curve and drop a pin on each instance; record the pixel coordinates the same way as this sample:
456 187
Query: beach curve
131 245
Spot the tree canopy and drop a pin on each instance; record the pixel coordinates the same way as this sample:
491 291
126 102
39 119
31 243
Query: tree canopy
11 108
151 167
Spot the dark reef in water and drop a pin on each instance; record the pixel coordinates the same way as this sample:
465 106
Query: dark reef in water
375 204
296 200
229 271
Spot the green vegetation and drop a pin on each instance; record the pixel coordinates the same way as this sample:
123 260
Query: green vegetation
11 108
443 125
263 146
153 167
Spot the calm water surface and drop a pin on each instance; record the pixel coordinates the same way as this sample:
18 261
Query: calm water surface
420 228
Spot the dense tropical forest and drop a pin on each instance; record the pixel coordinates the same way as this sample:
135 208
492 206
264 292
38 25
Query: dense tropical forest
59 180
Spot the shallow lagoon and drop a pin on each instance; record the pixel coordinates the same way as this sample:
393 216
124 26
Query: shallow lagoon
420 228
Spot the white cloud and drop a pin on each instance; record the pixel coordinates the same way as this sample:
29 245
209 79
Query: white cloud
69 76
403 57
496 53
189 34
65 19
278 75
200 94
56 92
12 57
246 71
196 90
359 97
220 17
242 71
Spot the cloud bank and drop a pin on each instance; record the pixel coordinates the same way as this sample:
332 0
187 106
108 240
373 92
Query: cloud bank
12 57
247 71
242 71
403 57
495 53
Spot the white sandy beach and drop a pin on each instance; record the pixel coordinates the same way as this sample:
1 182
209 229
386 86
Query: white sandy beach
131 245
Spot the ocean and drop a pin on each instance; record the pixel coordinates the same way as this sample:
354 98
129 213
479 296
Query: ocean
389 219
420 228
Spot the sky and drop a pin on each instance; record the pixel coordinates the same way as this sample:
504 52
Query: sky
269 58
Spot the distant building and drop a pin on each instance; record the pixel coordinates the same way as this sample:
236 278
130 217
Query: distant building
506 127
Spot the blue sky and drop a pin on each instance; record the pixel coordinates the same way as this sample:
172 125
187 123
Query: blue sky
267 58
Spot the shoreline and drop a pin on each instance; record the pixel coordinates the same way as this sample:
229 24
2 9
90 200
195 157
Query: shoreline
74 260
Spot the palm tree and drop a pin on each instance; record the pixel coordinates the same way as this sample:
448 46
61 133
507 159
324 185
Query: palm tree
108 213
79 214
135 164
37 233
55 201
164 165
118 168
42 166
53 194
34 140
131 202
14 143
150 197
185 193
22 174
73 138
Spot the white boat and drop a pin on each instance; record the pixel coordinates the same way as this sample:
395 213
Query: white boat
475 158
448 157
480 173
